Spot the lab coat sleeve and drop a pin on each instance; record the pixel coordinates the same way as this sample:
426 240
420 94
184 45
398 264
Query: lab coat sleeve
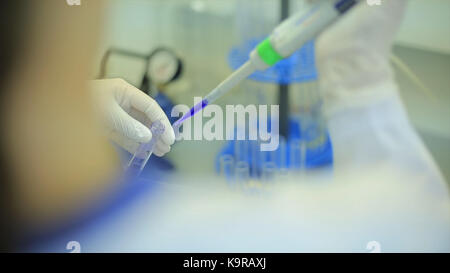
372 128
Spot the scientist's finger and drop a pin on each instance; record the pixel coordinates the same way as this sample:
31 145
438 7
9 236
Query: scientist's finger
163 147
129 127
158 153
152 110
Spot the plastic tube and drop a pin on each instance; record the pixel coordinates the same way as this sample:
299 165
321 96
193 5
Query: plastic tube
226 168
145 150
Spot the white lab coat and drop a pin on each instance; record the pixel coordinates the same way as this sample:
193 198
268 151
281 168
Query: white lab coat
376 147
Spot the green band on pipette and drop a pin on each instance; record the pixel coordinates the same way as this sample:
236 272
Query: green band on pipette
268 53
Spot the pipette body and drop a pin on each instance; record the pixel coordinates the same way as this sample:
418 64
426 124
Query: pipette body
287 38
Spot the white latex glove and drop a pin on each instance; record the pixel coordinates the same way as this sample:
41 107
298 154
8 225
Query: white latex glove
128 113
353 55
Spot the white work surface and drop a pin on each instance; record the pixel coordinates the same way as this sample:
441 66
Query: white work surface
191 212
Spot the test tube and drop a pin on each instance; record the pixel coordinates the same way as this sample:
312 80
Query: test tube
145 150
241 150
245 155
237 150
255 157
273 156
242 172
295 154
268 171
226 168
282 155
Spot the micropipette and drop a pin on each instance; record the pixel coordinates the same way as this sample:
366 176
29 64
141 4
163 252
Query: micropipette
288 37
144 151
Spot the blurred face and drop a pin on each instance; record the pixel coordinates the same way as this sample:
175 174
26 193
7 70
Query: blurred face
58 158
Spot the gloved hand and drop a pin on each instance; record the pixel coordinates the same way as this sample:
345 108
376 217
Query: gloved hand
353 55
128 113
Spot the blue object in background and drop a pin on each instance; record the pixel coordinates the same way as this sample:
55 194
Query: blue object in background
299 67
314 156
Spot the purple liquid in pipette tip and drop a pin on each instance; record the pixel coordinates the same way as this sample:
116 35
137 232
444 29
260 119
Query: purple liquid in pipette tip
194 110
